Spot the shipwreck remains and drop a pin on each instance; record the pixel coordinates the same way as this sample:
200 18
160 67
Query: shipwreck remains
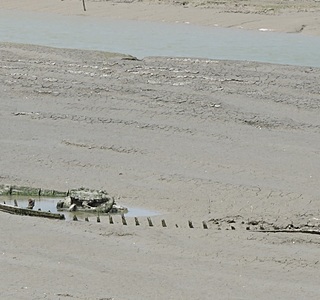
16 190
82 200
87 200
29 212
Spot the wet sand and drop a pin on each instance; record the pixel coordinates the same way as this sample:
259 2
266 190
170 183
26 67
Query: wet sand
300 16
234 144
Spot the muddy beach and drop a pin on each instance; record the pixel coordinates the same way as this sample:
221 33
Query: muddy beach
299 16
231 143
193 139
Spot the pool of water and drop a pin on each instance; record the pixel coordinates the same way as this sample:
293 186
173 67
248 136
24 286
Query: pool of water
143 39
49 204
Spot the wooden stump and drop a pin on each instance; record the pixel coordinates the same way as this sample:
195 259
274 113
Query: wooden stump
149 222
110 219
204 224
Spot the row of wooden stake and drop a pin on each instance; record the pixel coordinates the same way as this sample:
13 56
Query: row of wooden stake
137 223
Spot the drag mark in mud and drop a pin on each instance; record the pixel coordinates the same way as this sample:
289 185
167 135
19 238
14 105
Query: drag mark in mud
112 148
102 120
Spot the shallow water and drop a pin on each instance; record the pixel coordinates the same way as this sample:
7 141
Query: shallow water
143 39
49 204
43 203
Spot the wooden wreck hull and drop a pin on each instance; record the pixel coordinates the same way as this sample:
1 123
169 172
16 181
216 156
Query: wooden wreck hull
29 212
112 210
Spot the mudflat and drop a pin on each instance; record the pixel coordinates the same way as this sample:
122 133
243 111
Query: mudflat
231 143
299 16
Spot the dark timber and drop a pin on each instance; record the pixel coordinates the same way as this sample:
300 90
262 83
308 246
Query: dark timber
29 212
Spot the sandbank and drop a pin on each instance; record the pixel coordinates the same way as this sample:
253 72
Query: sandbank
283 16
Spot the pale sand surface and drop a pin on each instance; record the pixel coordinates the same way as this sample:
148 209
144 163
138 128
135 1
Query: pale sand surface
192 139
274 15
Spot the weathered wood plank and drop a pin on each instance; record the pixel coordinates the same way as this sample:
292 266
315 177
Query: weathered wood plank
29 212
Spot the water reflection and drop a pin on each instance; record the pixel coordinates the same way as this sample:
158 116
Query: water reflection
158 39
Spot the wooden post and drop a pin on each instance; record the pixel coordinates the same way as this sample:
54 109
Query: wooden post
163 222
205 226
110 219
15 202
136 221
190 224
98 219
84 5
124 221
149 222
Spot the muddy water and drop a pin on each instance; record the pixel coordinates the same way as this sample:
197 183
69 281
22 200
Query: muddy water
158 39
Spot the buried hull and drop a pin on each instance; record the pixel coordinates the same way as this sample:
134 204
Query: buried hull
29 212
90 201
112 210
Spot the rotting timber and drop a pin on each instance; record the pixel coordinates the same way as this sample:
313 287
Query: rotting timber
86 200
30 212
82 199
15 190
